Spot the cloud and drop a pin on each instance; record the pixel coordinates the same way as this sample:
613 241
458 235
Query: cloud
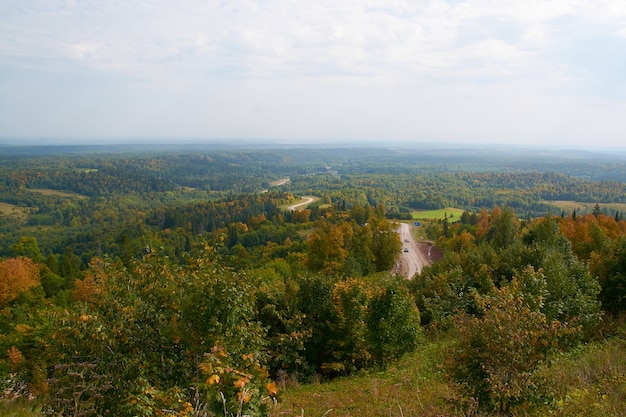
381 64
434 38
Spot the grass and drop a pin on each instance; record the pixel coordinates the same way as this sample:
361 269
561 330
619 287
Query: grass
15 213
589 381
19 408
452 213
413 386
584 208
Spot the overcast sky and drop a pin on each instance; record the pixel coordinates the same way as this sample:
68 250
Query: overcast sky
506 71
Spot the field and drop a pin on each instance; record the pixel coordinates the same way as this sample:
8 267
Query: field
452 213
584 208
56 193
15 213
279 182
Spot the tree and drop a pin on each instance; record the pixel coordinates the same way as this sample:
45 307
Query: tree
348 340
326 247
386 244
27 247
70 267
609 265
499 350
597 211
360 252
149 330
504 227
393 322
17 275
572 290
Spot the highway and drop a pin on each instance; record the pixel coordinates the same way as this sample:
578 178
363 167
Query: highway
411 262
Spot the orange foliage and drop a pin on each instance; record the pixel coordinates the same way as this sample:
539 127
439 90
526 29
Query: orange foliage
86 289
16 276
15 358
587 233
483 224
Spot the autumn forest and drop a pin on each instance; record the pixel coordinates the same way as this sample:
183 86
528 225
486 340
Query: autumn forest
222 280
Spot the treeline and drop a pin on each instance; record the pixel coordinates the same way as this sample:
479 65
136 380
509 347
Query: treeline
527 192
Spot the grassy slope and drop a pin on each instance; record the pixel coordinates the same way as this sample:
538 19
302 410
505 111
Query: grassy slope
589 382
414 385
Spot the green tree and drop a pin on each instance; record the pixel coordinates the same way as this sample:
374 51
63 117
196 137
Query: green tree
27 247
393 322
597 211
70 267
385 244
348 338
360 260
315 302
504 227
571 290
609 265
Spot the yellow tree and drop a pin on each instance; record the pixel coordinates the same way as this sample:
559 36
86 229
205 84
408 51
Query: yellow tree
16 276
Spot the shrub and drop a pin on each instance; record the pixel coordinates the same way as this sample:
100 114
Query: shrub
499 350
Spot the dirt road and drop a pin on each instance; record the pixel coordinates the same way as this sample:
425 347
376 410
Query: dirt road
413 256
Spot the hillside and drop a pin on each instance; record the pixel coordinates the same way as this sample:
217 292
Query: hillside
197 282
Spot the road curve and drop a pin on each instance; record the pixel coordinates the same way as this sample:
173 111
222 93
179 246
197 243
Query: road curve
411 262
306 200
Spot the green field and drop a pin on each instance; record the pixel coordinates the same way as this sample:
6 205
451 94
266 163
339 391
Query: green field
453 214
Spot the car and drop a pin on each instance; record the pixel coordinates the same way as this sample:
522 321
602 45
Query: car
406 249
406 240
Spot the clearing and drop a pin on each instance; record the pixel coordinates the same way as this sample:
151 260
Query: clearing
452 213
582 207
13 212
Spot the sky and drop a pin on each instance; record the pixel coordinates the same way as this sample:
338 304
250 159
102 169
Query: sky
481 71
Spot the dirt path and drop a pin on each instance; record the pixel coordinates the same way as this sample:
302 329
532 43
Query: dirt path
414 255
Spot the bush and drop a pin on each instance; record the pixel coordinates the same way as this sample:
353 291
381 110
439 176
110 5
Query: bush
498 352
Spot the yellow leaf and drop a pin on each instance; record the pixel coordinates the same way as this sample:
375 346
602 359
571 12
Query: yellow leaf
271 388
240 383
213 379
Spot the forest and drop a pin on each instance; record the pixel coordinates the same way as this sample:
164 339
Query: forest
179 282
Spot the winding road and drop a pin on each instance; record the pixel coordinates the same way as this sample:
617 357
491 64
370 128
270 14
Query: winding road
306 200
411 262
